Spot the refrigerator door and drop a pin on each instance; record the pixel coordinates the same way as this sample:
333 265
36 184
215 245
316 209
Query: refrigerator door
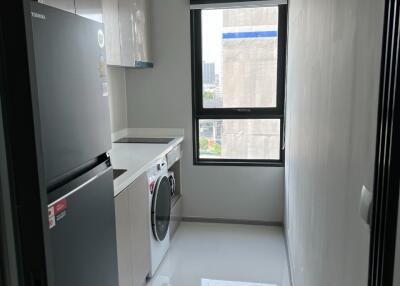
72 88
82 231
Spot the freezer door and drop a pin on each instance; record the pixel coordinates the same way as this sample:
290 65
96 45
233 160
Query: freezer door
72 89
82 231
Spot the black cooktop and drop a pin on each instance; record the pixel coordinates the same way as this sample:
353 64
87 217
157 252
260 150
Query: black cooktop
144 140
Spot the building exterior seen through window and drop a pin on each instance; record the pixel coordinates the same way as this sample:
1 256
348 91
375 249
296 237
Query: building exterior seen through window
239 63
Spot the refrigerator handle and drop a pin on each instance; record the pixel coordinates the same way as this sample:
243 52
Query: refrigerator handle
365 206
80 186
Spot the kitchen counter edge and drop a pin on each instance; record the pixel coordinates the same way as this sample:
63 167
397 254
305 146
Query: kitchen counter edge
119 187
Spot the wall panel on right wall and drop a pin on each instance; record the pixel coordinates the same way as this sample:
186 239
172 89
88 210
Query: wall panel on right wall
396 279
334 50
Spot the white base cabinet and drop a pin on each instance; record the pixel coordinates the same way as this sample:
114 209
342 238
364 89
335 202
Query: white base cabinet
176 216
133 236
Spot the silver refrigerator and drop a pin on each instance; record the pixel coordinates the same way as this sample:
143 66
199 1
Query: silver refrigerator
70 62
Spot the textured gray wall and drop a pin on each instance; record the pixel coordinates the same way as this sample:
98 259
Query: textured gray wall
161 98
332 94
117 98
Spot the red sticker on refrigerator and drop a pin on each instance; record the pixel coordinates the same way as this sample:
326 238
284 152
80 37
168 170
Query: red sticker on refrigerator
60 206
56 212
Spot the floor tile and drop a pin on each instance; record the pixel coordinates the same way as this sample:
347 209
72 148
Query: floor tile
208 254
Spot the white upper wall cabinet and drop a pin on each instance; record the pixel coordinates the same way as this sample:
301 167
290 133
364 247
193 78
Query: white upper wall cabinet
126 12
126 25
111 27
92 9
142 42
134 25
67 5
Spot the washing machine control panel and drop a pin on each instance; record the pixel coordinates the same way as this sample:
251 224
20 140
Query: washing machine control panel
157 170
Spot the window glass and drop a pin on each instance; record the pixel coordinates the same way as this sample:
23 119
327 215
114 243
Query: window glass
239 139
238 98
239 57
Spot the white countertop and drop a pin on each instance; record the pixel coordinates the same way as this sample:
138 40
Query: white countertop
137 159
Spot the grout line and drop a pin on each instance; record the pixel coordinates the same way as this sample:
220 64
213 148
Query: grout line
232 221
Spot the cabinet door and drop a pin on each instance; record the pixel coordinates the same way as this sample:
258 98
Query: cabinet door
141 37
140 217
126 17
67 5
124 241
134 24
91 9
176 216
112 33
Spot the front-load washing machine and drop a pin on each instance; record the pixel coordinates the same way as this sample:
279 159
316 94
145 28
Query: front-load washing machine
160 212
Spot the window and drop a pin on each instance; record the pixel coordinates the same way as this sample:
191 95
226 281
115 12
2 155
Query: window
238 80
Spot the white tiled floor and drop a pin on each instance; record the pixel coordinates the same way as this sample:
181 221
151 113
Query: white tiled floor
207 254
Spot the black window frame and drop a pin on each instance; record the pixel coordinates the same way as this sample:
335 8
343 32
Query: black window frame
199 112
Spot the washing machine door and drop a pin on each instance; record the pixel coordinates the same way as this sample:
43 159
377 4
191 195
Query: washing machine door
161 208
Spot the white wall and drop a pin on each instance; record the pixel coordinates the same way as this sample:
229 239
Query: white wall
332 94
117 98
161 98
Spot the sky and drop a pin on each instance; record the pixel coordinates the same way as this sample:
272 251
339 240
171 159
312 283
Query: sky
212 37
